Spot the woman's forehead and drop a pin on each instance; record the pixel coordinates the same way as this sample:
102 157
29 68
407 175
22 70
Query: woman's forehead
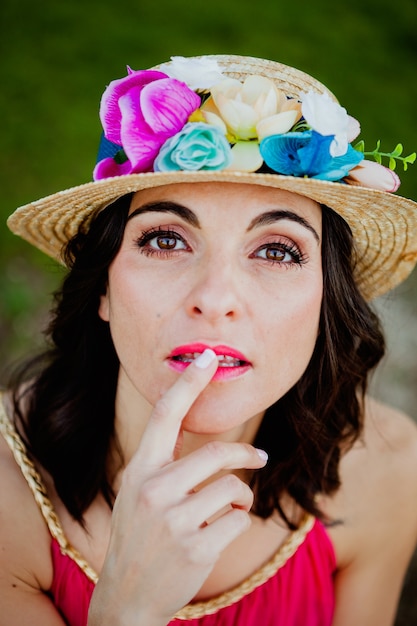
228 196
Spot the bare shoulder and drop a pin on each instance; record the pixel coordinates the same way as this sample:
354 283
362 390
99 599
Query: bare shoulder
378 494
390 442
24 537
388 428
381 467
26 570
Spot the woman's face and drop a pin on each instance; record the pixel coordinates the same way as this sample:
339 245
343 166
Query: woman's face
229 266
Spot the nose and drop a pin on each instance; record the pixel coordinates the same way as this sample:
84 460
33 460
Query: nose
215 294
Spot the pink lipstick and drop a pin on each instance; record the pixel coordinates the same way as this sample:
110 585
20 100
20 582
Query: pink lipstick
232 363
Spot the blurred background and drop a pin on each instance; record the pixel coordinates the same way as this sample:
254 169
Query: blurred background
57 58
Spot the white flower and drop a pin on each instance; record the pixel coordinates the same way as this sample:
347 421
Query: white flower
246 157
327 117
252 109
198 74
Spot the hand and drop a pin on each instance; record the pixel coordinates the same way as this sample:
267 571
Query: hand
161 548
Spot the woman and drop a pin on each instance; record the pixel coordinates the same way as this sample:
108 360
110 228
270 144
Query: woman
214 315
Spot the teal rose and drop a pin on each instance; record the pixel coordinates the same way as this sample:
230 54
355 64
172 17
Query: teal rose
197 146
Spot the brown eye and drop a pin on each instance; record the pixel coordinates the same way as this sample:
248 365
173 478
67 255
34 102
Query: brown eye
282 254
161 241
166 243
275 254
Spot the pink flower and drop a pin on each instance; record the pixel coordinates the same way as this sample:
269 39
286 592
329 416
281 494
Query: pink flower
139 113
374 175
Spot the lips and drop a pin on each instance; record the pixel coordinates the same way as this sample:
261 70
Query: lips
232 363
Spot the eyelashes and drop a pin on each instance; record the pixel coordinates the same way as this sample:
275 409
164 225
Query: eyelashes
161 241
165 242
282 252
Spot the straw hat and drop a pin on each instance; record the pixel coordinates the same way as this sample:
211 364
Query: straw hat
384 225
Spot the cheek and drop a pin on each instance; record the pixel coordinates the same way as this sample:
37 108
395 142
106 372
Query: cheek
290 332
305 321
136 311
295 313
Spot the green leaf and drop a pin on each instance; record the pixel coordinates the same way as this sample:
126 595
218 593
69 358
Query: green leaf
392 157
360 146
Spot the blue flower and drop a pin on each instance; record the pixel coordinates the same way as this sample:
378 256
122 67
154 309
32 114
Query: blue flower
307 154
197 146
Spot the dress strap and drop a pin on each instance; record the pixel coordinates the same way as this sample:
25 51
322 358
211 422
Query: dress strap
290 546
36 485
191 611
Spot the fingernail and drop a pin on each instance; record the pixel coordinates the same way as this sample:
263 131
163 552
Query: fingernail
262 454
205 358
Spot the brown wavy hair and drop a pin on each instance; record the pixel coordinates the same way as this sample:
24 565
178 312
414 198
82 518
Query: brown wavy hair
68 422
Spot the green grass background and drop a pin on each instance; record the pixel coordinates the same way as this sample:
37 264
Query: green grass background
58 55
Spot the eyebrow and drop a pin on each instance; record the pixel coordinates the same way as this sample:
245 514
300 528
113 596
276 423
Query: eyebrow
273 216
189 216
168 207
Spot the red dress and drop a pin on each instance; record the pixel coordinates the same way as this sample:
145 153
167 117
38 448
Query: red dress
294 588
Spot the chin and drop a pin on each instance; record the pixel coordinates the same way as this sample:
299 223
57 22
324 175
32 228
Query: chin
217 417
198 426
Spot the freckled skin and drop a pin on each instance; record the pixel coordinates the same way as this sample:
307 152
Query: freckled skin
218 285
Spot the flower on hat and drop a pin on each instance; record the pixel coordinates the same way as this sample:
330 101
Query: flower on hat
327 117
196 147
371 174
139 113
249 111
243 105
308 154
198 74
155 120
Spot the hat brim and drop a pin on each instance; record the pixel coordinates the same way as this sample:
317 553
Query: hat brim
384 225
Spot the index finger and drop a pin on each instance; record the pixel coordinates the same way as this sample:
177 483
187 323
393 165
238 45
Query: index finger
161 433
